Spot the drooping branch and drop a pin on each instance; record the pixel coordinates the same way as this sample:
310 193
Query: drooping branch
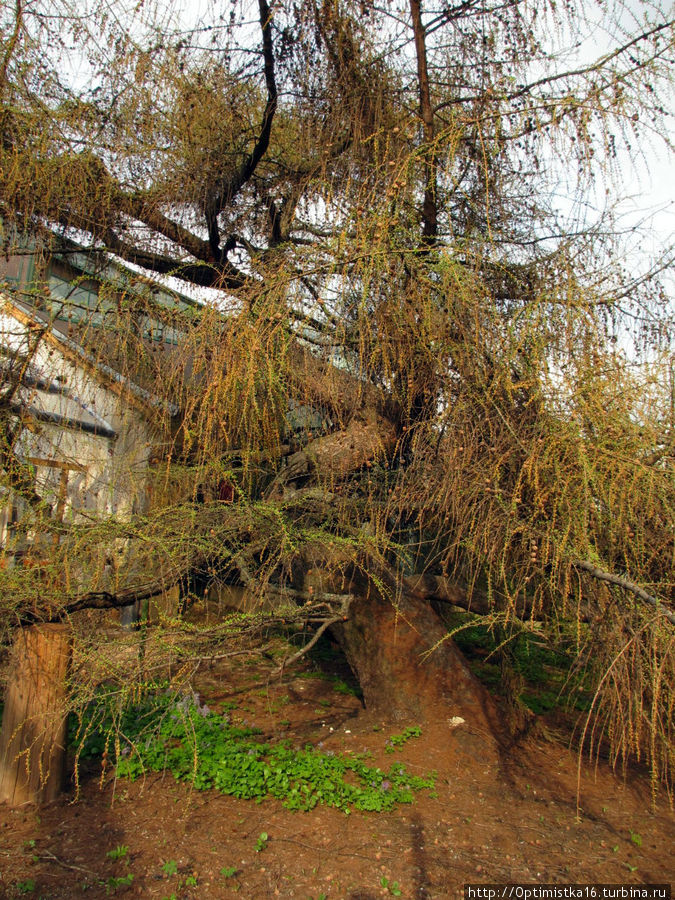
440 589
94 600
13 418
19 475
435 587
627 585
11 45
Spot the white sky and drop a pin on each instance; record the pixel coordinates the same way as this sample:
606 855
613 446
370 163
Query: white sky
645 183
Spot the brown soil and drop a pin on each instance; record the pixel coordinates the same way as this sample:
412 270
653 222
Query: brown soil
499 817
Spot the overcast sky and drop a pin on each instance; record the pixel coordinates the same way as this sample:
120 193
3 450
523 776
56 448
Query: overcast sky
645 182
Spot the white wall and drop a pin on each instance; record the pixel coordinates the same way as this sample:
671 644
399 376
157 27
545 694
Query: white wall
106 471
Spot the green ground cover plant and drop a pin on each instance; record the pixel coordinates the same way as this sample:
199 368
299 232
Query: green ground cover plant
184 737
392 887
396 741
228 871
117 882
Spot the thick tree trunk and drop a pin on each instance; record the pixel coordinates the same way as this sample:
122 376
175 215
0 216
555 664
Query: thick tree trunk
33 736
407 667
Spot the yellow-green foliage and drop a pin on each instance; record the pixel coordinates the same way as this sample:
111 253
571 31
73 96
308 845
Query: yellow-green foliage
514 438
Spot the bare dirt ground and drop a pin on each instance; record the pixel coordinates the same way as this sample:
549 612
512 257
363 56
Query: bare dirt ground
498 817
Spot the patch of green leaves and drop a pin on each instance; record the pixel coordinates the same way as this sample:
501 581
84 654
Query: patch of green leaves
228 871
261 843
116 883
110 714
208 751
396 741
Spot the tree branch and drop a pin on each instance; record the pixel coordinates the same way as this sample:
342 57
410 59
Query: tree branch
220 275
138 206
326 624
11 45
627 585
96 600
296 656
430 203
230 187
593 67
596 66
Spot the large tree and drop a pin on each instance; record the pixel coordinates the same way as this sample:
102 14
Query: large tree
409 361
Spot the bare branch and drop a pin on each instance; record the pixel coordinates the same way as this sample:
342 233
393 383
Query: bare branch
326 624
430 204
627 585
231 186
221 275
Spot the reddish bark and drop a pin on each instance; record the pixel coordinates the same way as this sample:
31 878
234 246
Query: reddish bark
388 648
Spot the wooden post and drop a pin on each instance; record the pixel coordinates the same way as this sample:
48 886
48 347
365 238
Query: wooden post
33 735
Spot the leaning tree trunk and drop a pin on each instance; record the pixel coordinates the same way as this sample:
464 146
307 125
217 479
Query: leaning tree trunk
408 668
33 736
